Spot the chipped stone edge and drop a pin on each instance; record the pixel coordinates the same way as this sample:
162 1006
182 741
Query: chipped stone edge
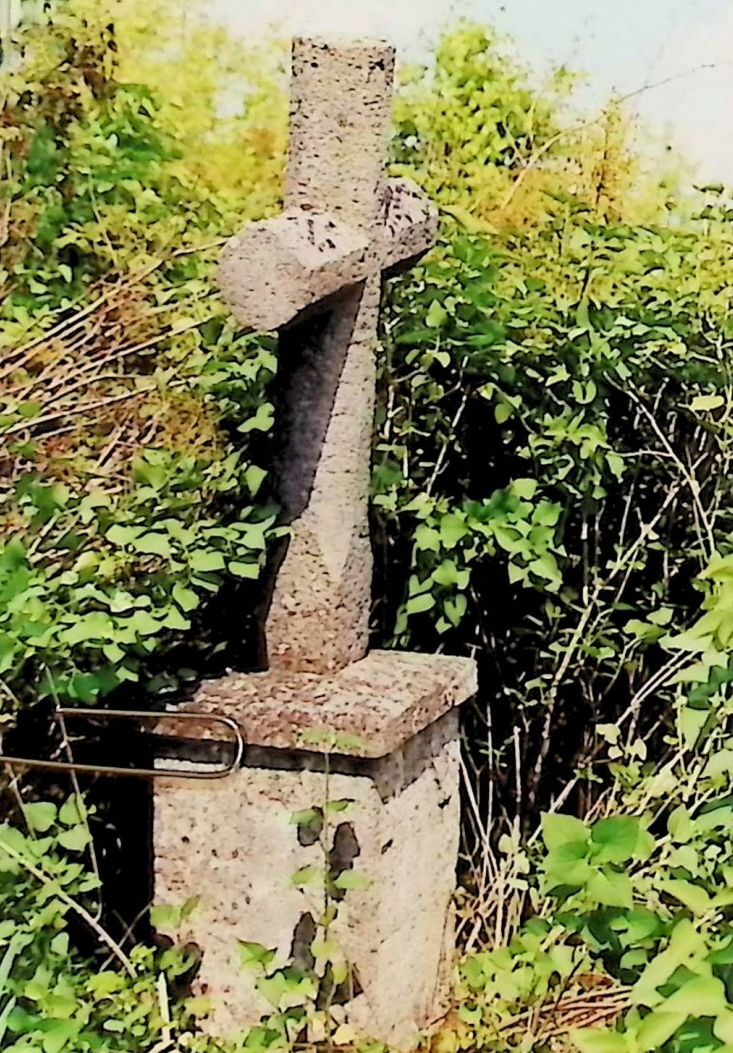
367 731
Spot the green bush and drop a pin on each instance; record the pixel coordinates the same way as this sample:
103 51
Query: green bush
52 997
127 486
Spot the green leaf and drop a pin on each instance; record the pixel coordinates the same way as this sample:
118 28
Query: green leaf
427 538
75 839
611 889
455 609
339 806
153 545
60 944
307 875
144 624
420 604
597 1040
186 599
705 403
306 816
557 830
254 477
698 996
691 896
56 1034
244 570
436 315
254 954
446 574
40 816
325 950
207 562
351 879
617 837
657 1028
273 988
524 488
452 529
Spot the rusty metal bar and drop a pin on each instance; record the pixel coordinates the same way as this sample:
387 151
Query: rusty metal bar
235 739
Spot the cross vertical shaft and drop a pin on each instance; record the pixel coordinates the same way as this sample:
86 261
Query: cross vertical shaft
319 615
339 129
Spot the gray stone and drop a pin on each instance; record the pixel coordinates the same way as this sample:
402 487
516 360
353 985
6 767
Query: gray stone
373 707
233 844
344 225
326 720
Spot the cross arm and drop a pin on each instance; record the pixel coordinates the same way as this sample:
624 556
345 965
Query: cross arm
275 270
411 224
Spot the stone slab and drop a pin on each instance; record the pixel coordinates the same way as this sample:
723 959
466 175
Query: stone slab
369 709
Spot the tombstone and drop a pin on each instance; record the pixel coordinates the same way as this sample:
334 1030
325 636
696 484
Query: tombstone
327 717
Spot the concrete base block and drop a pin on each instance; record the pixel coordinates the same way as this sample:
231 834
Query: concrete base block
233 843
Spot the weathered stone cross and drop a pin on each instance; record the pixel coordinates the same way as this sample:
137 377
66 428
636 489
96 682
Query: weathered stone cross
314 273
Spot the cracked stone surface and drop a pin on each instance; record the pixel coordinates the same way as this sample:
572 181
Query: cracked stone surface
315 273
232 844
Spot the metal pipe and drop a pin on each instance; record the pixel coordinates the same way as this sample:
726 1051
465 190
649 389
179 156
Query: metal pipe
142 773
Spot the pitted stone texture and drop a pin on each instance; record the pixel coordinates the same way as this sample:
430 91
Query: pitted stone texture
340 109
232 843
344 225
272 271
373 707
318 620
411 224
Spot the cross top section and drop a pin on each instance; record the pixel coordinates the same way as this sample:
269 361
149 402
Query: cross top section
314 273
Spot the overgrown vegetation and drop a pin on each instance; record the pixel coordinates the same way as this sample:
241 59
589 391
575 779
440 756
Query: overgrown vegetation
126 484
551 495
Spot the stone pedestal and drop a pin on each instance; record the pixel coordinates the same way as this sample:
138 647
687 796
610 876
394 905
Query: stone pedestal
392 725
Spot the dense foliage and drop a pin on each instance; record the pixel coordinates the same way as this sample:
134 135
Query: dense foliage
553 478
126 484
551 495
54 998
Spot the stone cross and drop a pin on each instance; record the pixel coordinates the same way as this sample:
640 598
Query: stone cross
314 274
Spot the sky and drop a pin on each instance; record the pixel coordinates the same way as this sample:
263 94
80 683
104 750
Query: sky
620 45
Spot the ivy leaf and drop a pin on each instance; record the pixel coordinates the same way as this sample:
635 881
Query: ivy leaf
453 529
207 562
153 545
40 816
186 598
70 812
436 315
254 954
75 839
427 538
244 570
420 604
351 880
